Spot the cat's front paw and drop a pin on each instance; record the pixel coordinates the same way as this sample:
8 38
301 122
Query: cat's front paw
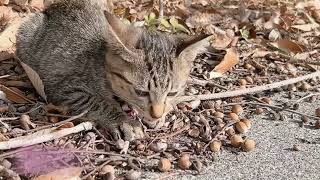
124 128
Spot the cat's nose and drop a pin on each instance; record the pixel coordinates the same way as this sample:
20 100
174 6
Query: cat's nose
157 110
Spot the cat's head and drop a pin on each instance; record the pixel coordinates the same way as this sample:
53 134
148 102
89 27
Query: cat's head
149 69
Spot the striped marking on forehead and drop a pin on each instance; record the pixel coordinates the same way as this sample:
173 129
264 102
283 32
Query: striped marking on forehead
159 54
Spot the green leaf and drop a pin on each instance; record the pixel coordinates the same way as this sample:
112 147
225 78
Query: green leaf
165 23
245 33
178 27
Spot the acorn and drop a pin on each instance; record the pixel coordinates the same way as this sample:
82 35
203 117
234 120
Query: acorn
248 145
218 114
247 122
259 111
243 82
53 119
140 147
108 172
305 86
266 100
296 147
194 132
184 162
304 119
317 124
237 109
318 112
164 165
236 141
133 175
107 169
248 66
241 127
234 116
25 122
4 108
215 146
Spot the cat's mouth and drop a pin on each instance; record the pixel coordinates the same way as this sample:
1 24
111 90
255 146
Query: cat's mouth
134 112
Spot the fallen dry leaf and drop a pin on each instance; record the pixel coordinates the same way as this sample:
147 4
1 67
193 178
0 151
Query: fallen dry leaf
15 95
220 39
37 4
258 53
20 2
229 61
65 125
304 4
288 46
72 173
3 138
8 36
201 19
4 2
316 14
35 80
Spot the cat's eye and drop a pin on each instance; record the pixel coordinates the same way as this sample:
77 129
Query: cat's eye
172 93
141 93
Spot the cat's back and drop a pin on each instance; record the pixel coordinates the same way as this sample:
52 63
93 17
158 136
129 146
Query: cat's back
64 31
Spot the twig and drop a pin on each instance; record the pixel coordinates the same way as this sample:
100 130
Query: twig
201 82
9 118
5 76
160 9
305 97
153 155
249 90
174 133
37 138
276 107
103 137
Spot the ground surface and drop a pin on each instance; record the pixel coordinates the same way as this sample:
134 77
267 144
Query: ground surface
274 157
254 43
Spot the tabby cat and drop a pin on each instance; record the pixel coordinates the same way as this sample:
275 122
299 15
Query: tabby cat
86 57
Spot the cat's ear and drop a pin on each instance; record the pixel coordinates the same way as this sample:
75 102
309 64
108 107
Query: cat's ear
190 46
121 36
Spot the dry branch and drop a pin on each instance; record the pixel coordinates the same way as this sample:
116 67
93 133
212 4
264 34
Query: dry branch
43 136
249 90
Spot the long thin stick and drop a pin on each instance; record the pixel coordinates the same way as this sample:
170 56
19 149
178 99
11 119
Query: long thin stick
249 90
37 138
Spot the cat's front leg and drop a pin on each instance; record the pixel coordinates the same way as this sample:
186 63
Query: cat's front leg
109 115
105 111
